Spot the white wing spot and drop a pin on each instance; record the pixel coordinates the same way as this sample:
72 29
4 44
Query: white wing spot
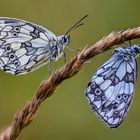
121 70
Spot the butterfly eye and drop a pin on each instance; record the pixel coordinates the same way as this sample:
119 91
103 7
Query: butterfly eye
98 91
66 40
12 56
8 48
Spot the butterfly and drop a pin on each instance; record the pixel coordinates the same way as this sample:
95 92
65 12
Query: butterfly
25 46
110 91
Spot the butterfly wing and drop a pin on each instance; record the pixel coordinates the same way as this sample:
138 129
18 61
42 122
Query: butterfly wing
24 46
110 91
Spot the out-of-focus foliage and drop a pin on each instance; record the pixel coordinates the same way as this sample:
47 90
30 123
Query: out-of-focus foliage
66 115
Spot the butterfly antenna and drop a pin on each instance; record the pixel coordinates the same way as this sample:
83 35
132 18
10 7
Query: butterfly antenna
76 25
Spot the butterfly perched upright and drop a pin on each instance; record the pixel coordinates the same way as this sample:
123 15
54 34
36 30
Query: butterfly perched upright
25 46
110 91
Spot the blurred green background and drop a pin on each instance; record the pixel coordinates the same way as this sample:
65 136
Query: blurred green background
67 115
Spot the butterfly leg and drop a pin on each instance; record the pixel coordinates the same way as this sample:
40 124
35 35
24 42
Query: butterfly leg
129 43
65 59
50 68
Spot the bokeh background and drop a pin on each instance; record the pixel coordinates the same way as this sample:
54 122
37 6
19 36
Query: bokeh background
67 115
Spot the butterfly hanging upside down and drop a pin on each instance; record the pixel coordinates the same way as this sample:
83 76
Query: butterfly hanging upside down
110 91
24 46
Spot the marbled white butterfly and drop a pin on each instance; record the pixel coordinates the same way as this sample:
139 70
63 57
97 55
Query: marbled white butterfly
24 46
110 91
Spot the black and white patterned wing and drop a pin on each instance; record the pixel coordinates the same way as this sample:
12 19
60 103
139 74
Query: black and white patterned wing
24 46
110 91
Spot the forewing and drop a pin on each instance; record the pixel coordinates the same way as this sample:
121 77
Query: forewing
24 46
110 91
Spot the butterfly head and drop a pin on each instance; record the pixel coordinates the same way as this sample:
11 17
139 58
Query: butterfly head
64 40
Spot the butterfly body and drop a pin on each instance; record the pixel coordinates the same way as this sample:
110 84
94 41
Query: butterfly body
110 91
25 46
